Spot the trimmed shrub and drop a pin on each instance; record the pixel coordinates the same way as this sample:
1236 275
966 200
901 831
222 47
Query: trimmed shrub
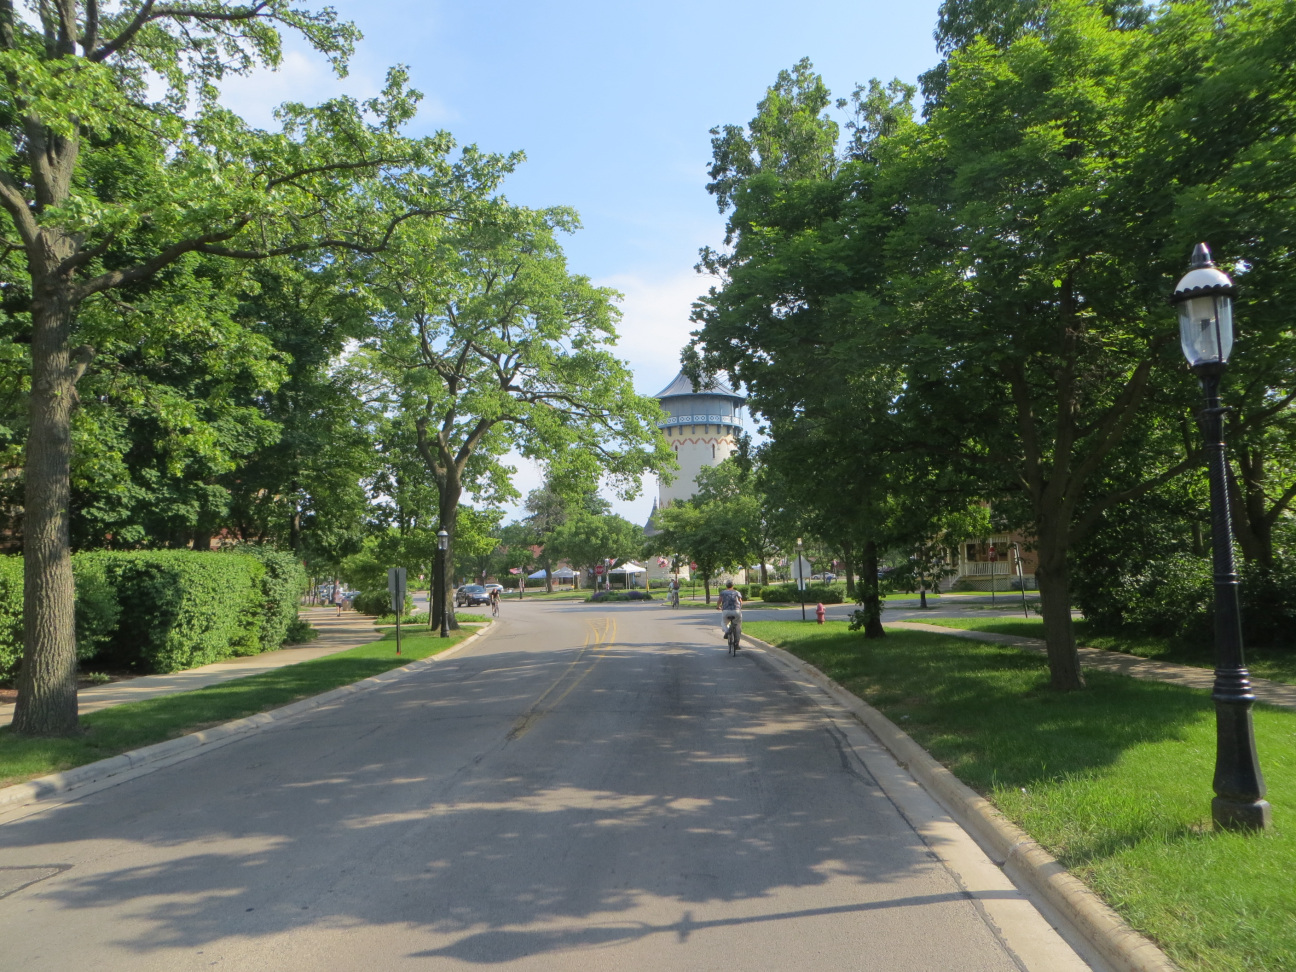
814 593
97 610
282 585
185 608
605 596
299 632
11 615
377 603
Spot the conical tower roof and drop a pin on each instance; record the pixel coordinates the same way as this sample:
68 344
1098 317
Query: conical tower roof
681 386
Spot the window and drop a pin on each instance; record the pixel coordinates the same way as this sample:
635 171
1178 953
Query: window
971 553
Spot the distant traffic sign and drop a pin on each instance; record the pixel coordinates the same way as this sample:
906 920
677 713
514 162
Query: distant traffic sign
598 569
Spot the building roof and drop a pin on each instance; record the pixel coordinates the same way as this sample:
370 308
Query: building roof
681 386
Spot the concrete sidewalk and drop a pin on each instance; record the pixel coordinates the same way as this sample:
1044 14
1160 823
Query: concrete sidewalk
1271 693
337 633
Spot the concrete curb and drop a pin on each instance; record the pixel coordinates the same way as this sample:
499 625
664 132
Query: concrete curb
182 747
1022 859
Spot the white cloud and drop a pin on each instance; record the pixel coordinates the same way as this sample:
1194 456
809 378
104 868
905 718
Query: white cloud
305 76
655 323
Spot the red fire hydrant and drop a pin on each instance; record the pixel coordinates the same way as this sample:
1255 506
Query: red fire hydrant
819 612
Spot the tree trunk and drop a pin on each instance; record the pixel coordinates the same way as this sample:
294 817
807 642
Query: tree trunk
1054 577
47 702
706 587
451 491
1252 526
873 595
764 571
548 579
294 530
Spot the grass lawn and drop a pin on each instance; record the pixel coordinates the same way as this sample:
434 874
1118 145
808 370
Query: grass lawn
1114 780
123 727
421 620
1272 663
539 594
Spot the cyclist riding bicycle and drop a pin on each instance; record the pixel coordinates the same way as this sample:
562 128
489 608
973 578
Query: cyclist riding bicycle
674 590
729 604
494 602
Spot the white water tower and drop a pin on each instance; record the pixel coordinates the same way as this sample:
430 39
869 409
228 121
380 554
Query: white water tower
702 426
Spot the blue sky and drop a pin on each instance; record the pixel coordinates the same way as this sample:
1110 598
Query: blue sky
612 103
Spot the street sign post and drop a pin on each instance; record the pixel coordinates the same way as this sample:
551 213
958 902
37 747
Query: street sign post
396 587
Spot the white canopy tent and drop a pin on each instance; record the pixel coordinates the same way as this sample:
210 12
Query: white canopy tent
559 574
628 569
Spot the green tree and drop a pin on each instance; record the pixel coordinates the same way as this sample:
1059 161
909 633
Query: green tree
735 485
549 507
487 342
105 187
709 534
792 135
587 539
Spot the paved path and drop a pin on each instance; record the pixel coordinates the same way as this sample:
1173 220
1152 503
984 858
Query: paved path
337 633
1273 693
588 788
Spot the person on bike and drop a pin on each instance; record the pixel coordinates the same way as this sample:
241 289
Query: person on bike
494 601
729 604
673 596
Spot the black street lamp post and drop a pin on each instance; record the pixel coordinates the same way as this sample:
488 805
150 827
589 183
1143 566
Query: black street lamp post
443 541
1204 299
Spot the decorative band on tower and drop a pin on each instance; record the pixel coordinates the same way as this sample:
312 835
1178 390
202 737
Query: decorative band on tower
702 426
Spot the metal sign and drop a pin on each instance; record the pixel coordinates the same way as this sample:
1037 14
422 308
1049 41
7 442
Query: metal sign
396 587
598 569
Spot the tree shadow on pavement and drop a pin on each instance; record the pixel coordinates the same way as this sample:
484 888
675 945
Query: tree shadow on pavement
505 803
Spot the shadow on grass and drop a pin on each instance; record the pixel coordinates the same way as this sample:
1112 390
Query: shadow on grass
987 711
115 730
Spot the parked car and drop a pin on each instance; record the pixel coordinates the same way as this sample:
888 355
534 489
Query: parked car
470 595
495 587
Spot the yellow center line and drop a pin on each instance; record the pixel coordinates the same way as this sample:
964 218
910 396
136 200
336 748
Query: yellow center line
600 639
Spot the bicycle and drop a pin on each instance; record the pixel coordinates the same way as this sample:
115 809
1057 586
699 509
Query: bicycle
673 600
495 607
733 635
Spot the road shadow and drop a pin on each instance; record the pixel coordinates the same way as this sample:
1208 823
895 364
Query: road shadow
504 789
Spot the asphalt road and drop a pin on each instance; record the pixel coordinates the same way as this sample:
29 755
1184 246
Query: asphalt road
587 788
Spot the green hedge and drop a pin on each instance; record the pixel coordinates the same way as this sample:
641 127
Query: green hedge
814 594
378 603
166 610
11 615
97 610
185 608
282 586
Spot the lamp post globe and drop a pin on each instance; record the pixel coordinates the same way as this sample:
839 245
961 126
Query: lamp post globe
443 543
1204 301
